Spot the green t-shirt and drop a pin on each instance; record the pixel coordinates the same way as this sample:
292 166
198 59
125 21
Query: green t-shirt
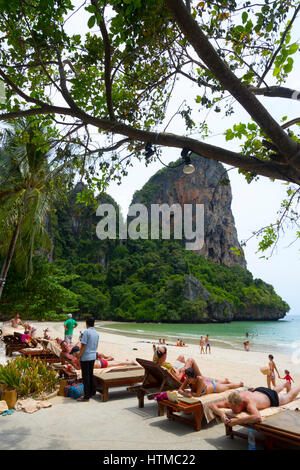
70 324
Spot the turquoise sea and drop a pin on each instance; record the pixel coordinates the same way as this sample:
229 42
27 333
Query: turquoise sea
278 336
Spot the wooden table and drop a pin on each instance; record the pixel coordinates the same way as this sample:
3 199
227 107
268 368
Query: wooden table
195 409
117 378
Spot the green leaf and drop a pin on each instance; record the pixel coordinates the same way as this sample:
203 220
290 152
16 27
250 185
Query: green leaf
293 48
91 22
244 17
91 9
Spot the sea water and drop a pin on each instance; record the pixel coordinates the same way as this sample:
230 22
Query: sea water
281 336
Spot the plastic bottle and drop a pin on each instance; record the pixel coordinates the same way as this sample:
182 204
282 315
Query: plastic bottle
251 440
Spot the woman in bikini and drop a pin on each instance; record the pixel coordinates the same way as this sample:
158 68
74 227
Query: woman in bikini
201 345
69 354
200 385
271 374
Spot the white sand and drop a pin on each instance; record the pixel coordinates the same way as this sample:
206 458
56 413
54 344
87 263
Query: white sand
231 363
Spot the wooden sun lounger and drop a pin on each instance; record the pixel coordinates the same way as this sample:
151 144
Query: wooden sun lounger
13 343
278 430
39 354
156 380
195 409
116 378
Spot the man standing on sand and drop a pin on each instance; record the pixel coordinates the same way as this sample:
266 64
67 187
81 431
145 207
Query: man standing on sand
87 356
207 344
69 326
251 402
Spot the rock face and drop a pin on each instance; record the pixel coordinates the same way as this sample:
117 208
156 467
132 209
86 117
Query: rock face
172 186
221 312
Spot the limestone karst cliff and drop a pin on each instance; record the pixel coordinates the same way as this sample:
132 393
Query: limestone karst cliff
204 186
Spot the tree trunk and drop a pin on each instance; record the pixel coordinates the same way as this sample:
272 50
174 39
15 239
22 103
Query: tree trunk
8 258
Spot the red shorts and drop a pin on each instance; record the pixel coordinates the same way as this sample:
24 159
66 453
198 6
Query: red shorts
103 363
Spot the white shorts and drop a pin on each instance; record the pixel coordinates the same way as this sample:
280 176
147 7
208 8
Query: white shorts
68 339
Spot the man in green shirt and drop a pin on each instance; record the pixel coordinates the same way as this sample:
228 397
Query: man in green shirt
69 326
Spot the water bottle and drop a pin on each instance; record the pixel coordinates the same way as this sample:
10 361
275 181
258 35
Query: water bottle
251 440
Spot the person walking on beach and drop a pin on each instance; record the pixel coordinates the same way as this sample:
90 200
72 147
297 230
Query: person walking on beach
207 344
201 345
87 356
69 326
271 374
288 380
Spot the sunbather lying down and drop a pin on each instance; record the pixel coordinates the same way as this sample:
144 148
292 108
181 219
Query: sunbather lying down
69 354
200 386
252 401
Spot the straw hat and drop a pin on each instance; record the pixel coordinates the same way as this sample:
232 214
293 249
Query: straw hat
265 370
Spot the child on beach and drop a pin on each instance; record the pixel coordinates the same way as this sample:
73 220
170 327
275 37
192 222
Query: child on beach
288 379
201 345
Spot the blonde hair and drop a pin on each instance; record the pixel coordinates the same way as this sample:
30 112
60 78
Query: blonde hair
234 398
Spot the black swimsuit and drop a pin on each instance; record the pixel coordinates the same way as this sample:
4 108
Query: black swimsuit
271 394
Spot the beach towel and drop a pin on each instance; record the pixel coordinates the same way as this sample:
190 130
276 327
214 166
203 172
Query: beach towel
3 406
53 347
273 410
207 400
293 405
29 405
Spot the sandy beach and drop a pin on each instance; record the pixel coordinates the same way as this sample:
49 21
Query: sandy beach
231 363
121 413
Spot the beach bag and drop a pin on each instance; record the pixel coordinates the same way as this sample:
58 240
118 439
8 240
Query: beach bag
161 396
11 397
66 390
76 390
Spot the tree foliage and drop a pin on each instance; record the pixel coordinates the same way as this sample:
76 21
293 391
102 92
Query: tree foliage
138 280
119 74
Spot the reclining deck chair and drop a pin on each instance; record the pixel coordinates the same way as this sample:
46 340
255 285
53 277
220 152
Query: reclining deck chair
278 430
157 379
41 354
14 343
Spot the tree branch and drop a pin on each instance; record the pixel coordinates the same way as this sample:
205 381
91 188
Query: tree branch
230 82
279 47
248 163
277 92
107 61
